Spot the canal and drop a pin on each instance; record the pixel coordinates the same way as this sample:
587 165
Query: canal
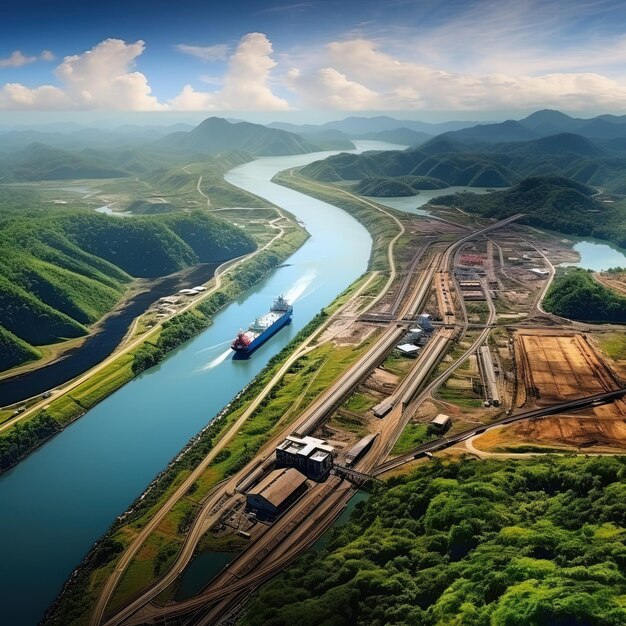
58 501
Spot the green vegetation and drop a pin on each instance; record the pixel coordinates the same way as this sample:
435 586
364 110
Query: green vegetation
412 436
450 169
576 295
216 134
63 269
174 332
41 162
399 186
549 202
381 228
505 543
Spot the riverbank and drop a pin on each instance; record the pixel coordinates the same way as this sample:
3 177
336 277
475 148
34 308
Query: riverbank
214 454
368 213
31 429
104 337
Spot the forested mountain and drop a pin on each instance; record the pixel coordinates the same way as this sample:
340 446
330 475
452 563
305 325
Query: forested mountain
480 543
450 168
476 164
63 269
354 126
41 162
216 134
550 202
542 124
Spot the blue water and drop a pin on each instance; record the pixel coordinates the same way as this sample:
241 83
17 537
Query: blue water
412 204
58 501
597 255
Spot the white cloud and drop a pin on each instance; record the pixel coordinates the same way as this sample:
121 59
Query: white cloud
100 78
17 58
358 75
18 97
218 52
245 83
328 88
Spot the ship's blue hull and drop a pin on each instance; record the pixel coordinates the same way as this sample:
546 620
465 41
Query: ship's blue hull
264 336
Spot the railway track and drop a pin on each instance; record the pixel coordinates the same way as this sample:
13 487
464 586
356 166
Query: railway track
446 442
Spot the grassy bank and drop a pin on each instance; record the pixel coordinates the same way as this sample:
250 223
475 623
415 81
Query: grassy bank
28 434
381 227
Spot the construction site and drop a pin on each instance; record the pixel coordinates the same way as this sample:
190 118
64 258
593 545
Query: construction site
459 357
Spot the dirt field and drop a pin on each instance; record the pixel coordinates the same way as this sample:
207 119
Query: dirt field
558 367
584 432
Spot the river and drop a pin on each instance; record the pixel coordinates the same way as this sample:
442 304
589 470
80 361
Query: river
58 501
101 343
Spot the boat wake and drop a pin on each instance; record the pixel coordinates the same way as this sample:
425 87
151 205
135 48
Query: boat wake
217 360
300 286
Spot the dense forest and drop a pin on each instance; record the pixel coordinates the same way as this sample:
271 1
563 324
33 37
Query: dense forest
576 295
466 158
472 543
63 269
399 186
549 202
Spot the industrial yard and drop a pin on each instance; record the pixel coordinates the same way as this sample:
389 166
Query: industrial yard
450 350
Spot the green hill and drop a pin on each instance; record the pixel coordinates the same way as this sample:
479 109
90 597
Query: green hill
549 202
450 168
399 186
576 295
41 162
215 135
62 269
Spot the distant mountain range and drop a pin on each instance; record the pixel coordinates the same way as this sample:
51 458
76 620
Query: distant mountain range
215 135
543 124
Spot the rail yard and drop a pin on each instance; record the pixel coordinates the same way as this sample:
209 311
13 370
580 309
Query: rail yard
456 331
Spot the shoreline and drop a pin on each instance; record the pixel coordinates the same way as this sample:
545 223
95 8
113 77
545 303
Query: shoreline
226 293
109 333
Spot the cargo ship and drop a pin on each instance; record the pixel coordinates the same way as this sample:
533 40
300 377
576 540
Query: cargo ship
279 315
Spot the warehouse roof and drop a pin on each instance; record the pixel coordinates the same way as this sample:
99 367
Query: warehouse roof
305 446
279 485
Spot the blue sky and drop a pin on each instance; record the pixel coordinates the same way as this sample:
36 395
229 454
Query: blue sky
477 58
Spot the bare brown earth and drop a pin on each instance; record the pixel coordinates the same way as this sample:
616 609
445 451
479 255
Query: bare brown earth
554 367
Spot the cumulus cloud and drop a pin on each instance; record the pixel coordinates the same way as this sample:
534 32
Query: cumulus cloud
246 83
358 75
328 88
218 52
17 58
100 78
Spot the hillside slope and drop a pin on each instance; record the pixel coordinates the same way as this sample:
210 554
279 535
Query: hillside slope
62 270
550 202
215 135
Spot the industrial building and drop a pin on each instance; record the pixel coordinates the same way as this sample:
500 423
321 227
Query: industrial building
359 449
540 272
470 285
313 457
276 492
474 296
487 372
440 423
408 349
425 322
